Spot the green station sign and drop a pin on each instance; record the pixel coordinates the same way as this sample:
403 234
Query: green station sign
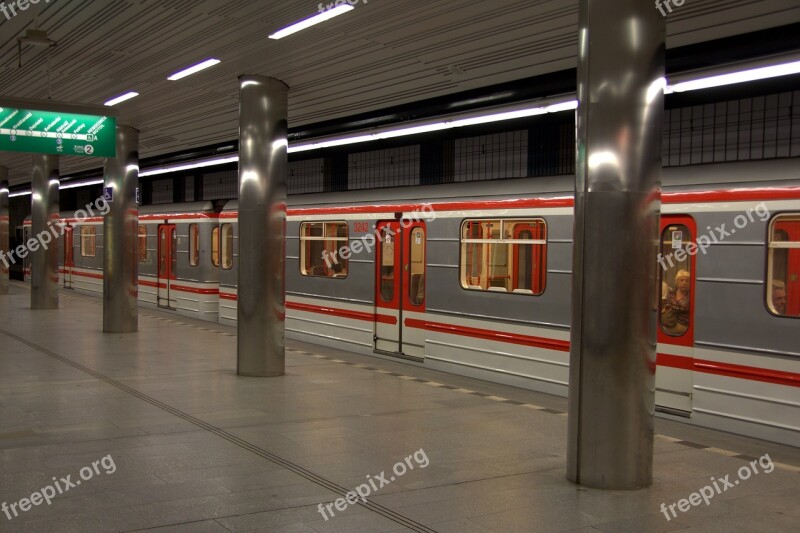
50 132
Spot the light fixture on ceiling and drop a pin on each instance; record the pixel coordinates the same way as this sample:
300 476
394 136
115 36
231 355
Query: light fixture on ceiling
189 166
121 98
194 69
19 193
76 184
731 78
311 21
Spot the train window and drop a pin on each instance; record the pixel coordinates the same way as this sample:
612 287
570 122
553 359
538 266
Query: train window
676 280
416 289
783 283
320 244
504 255
387 264
215 246
226 246
194 245
142 244
88 241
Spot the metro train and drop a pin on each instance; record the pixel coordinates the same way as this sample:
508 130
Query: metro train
479 284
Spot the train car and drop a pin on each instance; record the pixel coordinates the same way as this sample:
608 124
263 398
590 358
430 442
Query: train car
228 263
483 288
179 259
176 251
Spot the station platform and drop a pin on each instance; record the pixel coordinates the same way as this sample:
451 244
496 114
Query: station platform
195 448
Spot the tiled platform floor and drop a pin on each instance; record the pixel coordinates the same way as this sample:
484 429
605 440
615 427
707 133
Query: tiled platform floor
197 448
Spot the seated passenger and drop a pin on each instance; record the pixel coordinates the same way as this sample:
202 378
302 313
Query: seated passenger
675 312
779 297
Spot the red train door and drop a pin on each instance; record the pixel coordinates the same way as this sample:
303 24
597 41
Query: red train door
69 255
790 231
167 255
676 304
400 288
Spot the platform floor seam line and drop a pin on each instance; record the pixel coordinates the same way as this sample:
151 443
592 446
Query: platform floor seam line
233 439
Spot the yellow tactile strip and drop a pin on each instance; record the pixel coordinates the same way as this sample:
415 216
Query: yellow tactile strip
688 444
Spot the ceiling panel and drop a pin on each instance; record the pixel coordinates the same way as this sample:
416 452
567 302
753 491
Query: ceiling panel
384 53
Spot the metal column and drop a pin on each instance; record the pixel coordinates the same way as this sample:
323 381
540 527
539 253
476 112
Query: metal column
617 204
4 223
120 265
44 213
263 164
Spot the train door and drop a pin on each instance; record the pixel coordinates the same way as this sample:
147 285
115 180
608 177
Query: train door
400 289
786 233
676 294
69 255
167 256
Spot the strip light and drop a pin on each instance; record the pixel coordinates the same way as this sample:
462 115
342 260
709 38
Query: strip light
311 21
19 193
763 73
75 185
193 69
121 98
189 166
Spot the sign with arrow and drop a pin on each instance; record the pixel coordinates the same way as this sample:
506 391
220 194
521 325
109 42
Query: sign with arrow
50 132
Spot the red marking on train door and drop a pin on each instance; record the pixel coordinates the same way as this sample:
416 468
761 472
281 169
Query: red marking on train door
167 257
400 287
791 229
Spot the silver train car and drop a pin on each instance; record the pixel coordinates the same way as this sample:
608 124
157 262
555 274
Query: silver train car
475 279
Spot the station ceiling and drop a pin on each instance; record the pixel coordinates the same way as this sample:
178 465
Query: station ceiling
383 53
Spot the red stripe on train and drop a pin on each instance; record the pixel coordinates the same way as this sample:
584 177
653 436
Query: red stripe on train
346 313
491 335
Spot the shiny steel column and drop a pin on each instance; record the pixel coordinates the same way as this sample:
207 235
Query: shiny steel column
5 262
120 265
617 204
44 213
263 165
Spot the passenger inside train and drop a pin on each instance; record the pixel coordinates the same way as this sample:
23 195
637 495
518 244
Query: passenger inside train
675 312
779 297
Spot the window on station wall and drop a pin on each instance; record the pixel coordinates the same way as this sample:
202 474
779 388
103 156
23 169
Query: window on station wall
88 241
194 245
215 246
319 249
504 255
226 246
141 245
783 282
676 280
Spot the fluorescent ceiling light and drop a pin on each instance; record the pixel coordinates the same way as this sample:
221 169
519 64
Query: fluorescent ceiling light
189 166
77 184
20 193
196 68
564 106
311 21
742 76
496 117
121 98
413 130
